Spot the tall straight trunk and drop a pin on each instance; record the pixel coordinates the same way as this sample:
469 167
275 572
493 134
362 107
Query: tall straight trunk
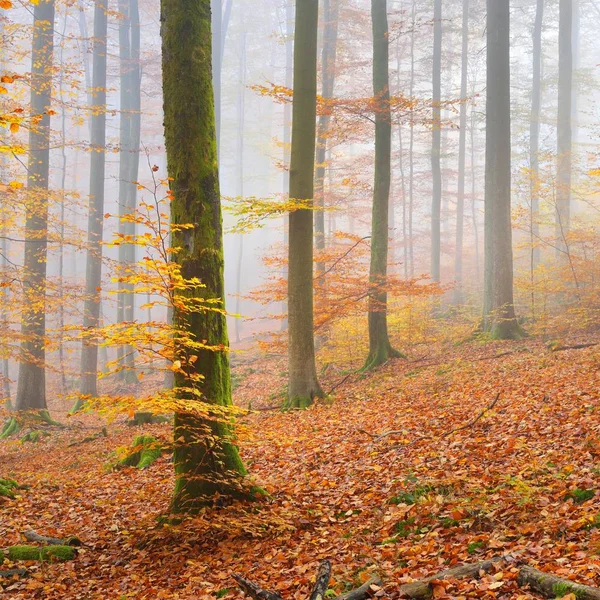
86 51
411 153
462 152
205 458
565 87
576 64
328 60
474 194
31 392
534 133
4 292
499 311
303 384
436 170
402 175
93 276
287 132
216 7
380 348
241 108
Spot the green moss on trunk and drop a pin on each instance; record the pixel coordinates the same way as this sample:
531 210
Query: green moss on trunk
205 456
45 553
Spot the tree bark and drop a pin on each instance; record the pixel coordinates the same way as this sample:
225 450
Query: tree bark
31 392
380 348
93 279
551 586
303 383
436 171
462 151
499 311
205 457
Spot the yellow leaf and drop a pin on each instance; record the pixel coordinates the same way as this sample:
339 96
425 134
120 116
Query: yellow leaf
14 127
15 185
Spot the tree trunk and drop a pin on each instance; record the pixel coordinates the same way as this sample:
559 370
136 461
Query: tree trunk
380 348
216 7
534 134
436 172
93 279
328 59
31 393
499 311
411 154
303 384
565 87
206 460
462 151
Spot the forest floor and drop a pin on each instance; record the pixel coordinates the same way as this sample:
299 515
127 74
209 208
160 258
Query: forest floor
443 490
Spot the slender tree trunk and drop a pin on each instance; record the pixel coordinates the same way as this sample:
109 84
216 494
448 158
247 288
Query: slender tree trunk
380 348
474 195
436 172
499 315
31 392
206 460
534 133
217 47
402 172
241 108
303 384
93 279
462 152
328 60
411 154
565 87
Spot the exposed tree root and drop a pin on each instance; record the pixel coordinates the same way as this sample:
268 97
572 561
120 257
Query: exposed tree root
551 586
90 438
144 450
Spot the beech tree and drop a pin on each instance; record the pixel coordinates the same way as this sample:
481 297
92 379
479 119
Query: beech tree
31 385
499 310
93 276
205 457
436 170
303 383
380 348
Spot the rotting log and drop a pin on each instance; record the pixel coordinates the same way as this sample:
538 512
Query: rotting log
32 536
363 591
423 588
44 553
551 586
9 573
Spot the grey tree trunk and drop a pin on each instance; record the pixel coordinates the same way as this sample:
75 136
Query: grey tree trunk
534 134
93 277
411 153
31 392
402 176
380 348
462 151
499 310
303 384
328 59
436 169
565 90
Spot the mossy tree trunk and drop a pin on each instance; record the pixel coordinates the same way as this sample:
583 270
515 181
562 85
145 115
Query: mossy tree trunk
206 460
380 348
499 310
303 383
93 277
31 386
436 169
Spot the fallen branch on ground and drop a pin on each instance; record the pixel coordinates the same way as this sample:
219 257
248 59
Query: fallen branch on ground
551 586
14 572
90 438
575 347
32 536
471 423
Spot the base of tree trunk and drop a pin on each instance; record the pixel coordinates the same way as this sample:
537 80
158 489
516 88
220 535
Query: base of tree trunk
306 398
144 451
380 356
10 428
507 330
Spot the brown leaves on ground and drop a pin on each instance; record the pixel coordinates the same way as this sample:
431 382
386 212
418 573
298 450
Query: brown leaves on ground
523 479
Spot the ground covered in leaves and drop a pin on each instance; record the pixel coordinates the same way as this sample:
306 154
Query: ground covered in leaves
445 488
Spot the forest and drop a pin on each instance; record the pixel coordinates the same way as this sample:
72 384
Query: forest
299 299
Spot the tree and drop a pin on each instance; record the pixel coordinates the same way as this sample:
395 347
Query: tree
31 385
206 460
462 151
436 170
534 132
93 276
499 310
380 348
303 383
331 11
565 91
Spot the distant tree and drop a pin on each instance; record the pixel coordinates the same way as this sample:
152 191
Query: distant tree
564 145
303 383
206 460
380 348
331 11
534 132
436 171
93 277
462 151
499 310
31 386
